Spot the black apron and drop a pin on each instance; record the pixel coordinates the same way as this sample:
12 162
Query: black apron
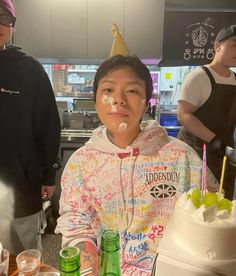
218 114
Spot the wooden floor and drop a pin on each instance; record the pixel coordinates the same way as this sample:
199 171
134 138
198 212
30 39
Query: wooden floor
51 243
51 249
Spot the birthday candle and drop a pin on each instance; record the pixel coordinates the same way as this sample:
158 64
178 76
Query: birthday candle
222 176
202 179
205 167
203 182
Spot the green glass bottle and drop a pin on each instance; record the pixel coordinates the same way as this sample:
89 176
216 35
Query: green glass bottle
110 256
69 261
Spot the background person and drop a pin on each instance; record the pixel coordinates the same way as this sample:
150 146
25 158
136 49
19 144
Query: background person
29 141
128 176
207 107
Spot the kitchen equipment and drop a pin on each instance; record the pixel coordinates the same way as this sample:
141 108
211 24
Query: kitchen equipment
73 120
168 119
231 154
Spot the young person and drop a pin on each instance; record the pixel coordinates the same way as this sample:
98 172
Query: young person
29 141
128 176
207 107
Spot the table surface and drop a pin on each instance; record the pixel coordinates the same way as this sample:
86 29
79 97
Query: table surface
14 271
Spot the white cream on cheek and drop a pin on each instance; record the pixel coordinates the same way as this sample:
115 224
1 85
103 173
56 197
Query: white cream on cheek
143 101
143 105
106 99
109 100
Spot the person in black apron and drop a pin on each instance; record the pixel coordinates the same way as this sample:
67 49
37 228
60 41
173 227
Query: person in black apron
213 120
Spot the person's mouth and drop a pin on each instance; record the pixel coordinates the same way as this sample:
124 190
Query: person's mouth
118 114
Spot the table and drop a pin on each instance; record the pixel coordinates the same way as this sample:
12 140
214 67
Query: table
14 271
12 265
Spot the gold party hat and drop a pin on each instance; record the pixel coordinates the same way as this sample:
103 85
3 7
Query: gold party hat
118 47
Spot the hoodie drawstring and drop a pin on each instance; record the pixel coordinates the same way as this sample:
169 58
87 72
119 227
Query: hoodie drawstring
125 219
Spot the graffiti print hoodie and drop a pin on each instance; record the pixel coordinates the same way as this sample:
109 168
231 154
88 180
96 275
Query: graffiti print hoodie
132 190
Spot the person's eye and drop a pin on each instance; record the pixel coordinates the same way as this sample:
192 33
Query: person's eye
132 91
107 90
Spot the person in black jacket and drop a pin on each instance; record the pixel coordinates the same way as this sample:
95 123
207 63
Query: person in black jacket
29 141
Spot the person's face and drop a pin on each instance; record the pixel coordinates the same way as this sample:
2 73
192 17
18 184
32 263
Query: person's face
121 100
226 52
5 32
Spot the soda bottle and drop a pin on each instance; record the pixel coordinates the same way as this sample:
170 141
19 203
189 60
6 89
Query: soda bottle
110 256
69 261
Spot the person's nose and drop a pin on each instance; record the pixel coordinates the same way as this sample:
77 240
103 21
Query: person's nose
119 98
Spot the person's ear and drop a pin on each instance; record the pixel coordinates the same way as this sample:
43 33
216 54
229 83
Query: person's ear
217 46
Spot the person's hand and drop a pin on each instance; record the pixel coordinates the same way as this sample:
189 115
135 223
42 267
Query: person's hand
47 192
217 146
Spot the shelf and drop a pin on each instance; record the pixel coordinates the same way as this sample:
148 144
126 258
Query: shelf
81 71
168 111
79 95
75 133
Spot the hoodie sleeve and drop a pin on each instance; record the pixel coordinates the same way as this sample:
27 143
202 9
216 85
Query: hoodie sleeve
77 215
46 125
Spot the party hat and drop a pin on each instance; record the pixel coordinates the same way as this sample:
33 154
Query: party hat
118 47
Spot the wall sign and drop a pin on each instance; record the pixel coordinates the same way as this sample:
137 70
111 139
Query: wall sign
189 36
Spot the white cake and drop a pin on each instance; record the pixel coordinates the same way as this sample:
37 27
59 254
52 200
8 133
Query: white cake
215 240
210 245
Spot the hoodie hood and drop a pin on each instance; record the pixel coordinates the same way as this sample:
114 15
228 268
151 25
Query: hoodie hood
11 53
152 137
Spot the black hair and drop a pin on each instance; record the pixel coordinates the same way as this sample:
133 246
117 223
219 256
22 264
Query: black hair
118 61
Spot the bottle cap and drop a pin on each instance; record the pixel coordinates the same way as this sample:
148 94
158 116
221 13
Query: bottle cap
69 259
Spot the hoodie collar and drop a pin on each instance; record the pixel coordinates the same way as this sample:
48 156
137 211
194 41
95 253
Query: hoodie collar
151 137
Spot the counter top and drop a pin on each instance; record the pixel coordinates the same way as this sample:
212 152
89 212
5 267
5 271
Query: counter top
76 132
13 271
81 95
74 135
168 111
